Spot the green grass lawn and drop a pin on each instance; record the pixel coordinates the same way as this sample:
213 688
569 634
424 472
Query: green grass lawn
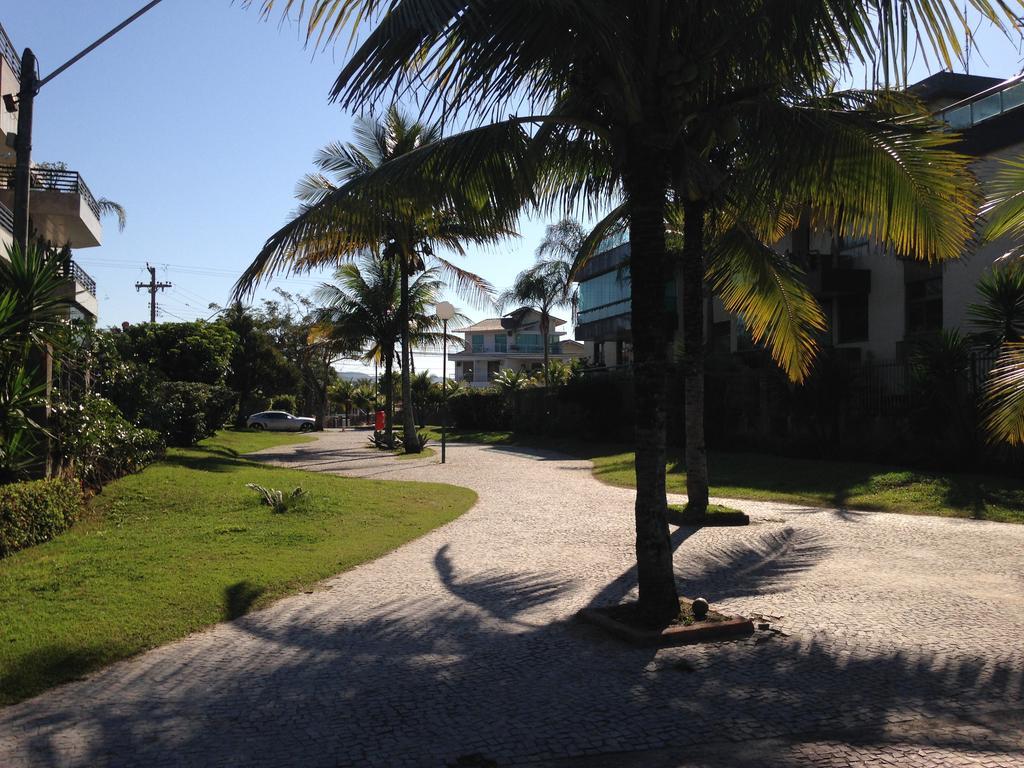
185 544
849 484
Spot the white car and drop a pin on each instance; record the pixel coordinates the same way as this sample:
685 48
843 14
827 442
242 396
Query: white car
280 421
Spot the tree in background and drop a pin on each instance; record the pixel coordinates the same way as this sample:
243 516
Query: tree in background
361 310
257 368
341 219
548 283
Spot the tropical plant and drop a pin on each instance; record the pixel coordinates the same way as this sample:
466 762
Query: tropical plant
341 219
276 499
647 99
1005 396
31 321
556 373
999 316
509 380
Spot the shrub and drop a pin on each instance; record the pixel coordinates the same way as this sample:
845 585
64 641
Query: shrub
36 511
99 445
284 403
185 412
480 409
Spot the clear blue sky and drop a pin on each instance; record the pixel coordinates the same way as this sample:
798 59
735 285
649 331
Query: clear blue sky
199 119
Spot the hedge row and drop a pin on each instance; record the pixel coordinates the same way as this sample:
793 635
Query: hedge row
36 511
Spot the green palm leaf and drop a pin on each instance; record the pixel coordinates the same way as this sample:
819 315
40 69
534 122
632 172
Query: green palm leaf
770 293
1004 397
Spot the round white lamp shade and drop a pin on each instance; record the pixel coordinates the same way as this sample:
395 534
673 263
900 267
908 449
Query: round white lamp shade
445 311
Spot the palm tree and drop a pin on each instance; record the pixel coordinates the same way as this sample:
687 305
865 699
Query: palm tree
360 312
343 218
641 99
548 283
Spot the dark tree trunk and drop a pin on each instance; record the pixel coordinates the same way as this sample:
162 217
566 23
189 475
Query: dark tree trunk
645 186
410 438
389 398
545 321
691 290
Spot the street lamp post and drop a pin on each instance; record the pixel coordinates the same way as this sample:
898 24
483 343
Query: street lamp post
446 312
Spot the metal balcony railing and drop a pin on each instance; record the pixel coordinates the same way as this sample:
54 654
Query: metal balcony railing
989 103
9 52
74 272
69 268
53 180
6 218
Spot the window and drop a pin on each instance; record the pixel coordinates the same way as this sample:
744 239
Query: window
598 353
604 296
493 366
500 342
924 305
478 342
853 318
467 371
528 342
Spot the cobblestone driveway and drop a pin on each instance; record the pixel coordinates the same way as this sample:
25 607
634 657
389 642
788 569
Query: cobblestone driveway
901 643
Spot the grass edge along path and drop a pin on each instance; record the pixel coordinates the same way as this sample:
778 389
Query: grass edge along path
183 545
811 482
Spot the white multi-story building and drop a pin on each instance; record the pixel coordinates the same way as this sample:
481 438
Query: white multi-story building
512 342
63 212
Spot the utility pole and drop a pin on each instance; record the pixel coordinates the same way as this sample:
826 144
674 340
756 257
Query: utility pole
152 286
23 148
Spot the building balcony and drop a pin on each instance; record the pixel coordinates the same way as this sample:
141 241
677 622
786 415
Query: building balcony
80 288
62 209
511 350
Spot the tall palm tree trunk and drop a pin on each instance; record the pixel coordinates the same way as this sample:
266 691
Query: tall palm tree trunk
545 321
389 397
645 187
691 288
409 437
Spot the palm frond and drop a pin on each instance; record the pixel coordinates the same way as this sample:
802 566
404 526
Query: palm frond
868 173
770 294
108 207
1003 209
1004 397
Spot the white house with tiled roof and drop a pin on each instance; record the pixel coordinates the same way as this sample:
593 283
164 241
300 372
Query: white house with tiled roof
510 342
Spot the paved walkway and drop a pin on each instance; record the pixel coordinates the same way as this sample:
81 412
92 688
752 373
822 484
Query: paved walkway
901 642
